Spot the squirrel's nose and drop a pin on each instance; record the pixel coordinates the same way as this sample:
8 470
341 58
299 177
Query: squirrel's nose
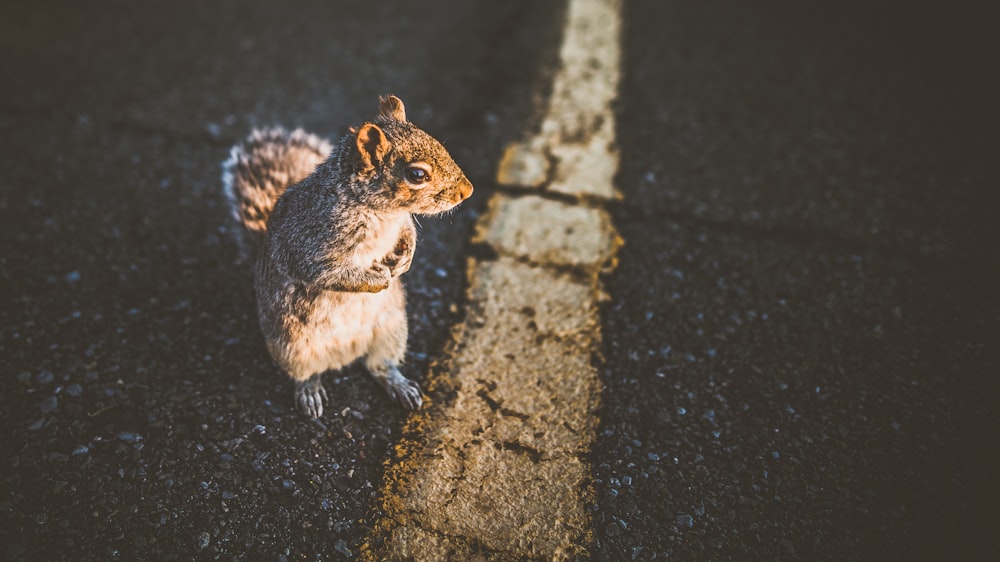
465 188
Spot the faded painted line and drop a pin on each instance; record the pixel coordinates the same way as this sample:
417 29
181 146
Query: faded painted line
497 470
578 132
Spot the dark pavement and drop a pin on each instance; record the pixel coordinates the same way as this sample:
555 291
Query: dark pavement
142 416
800 346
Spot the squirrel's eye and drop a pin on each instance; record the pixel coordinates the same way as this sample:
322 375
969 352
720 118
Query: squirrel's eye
417 175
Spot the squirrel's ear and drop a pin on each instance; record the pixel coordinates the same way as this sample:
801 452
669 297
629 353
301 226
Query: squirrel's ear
372 145
391 107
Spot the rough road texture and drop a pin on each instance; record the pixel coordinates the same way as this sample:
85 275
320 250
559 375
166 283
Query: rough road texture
498 470
141 415
802 340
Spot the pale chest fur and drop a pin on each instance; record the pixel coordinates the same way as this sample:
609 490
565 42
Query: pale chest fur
379 238
341 328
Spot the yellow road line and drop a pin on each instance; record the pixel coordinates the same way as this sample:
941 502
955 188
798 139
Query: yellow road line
497 471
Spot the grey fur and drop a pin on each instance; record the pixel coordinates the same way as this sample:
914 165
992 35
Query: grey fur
333 243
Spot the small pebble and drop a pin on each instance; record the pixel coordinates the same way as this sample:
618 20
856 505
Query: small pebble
341 546
48 405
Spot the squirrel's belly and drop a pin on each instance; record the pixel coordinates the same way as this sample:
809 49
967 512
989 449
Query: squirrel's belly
339 329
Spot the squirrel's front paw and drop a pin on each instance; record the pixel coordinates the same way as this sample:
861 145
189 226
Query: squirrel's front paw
380 278
310 396
398 264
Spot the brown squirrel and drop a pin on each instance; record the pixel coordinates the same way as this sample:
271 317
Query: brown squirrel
334 230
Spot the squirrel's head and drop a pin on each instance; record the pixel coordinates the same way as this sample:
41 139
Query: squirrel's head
403 168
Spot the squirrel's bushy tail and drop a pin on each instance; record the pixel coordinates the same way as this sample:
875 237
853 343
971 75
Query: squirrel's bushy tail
262 167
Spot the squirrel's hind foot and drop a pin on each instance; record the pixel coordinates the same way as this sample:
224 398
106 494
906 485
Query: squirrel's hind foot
399 388
310 395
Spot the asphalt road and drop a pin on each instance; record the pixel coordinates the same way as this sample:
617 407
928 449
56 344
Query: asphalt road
142 417
800 344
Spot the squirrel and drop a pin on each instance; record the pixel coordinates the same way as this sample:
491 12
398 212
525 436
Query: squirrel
334 231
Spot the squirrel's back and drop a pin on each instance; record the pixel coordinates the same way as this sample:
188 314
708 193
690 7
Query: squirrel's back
263 166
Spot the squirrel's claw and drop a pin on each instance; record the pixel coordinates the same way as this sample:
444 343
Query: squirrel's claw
311 395
407 394
400 388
